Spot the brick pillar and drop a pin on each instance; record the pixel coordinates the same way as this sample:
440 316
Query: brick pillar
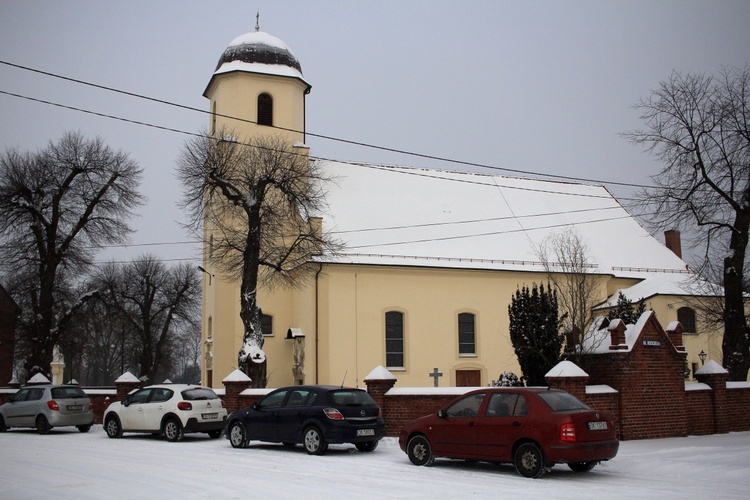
567 376
378 382
674 331
617 335
234 384
125 387
716 377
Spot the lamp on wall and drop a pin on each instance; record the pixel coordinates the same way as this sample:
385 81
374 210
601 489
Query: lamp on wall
702 355
200 268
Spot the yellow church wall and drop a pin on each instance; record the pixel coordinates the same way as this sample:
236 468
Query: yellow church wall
431 299
345 335
235 94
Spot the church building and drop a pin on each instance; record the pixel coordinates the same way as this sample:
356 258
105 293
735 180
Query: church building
430 258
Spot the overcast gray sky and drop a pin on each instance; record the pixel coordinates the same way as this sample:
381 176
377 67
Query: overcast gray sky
542 86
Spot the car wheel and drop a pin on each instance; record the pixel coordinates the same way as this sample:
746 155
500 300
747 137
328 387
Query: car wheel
366 445
529 461
42 425
112 427
419 451
214 434
582 466
237 435
83 428
314 442
3 427
173 430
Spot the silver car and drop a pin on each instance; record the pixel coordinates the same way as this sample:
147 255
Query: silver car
47 406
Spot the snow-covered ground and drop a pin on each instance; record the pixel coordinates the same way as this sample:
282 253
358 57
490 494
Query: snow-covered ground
67 464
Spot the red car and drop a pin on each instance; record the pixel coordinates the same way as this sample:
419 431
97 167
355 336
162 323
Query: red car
533 428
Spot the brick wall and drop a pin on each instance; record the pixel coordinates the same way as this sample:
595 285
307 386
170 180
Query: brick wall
402 408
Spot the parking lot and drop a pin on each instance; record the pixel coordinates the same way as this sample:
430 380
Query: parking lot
68 464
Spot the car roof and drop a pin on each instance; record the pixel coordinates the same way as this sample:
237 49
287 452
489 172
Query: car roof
48 386
176 387
321 388
534 390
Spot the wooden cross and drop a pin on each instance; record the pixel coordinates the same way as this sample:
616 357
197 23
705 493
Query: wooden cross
435 374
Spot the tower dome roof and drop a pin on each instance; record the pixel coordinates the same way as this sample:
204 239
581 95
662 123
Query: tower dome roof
259 52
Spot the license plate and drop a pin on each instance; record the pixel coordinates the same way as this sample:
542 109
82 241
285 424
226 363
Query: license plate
365 432
210 416
598 426
75 407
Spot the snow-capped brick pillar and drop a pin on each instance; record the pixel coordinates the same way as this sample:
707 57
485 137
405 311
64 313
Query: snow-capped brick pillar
617 335
378 382
716 377
234 384
674 330
126 383
567 376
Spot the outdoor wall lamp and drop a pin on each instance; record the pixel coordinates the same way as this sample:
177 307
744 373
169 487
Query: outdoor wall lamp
200 268
702 355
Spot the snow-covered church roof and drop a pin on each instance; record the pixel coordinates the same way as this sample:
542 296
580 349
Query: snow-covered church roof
416 217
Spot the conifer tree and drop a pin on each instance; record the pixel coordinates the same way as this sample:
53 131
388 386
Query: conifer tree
626 310
535 331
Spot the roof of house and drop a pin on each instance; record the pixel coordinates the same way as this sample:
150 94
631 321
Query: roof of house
430 218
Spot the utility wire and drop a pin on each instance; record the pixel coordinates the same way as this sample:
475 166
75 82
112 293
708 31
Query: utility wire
321 136
403 170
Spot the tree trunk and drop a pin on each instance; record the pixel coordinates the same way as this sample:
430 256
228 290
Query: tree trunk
735 345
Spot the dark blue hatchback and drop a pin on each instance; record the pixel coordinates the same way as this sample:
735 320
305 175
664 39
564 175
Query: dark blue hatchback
314 415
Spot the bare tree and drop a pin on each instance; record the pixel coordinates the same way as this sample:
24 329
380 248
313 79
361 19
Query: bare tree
260 200
564 256
697 125
157 303
56 207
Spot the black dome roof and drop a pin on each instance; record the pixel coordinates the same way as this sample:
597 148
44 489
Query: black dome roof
259 47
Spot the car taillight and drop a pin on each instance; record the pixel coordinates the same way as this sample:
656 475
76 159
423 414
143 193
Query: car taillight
333 414
52 405
380 413
222 403
184 405
568 432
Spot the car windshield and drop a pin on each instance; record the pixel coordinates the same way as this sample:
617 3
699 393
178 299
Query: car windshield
198 393
562 401
67 393
351 398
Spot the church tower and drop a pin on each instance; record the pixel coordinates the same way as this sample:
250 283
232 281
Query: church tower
256 89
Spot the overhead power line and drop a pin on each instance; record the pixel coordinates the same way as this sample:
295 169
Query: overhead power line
320 136
358 164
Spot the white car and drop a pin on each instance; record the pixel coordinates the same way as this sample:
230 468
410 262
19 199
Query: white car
169 409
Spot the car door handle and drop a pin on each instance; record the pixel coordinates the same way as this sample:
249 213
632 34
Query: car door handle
516 423
472 424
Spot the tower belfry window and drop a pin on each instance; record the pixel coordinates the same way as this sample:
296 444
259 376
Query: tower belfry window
265 110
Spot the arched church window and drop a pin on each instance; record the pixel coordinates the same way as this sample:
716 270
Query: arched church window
686 316
466 334
265 110
266 325
394 339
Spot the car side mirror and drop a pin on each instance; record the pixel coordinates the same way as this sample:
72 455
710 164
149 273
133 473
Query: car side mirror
126 402
441 414
255 406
